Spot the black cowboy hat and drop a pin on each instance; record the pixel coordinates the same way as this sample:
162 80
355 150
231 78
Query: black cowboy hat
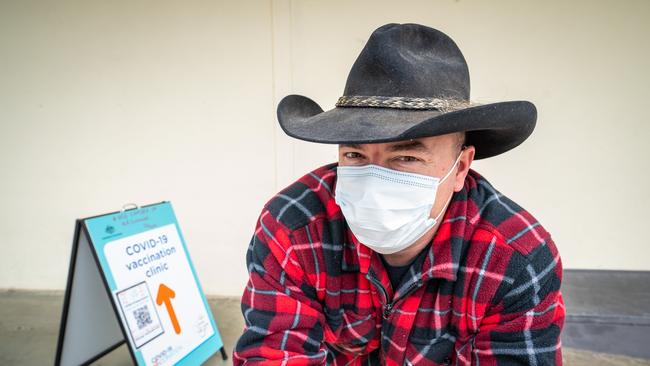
409 81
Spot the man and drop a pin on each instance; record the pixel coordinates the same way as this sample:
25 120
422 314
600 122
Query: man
400 253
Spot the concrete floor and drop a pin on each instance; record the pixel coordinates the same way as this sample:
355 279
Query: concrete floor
29 325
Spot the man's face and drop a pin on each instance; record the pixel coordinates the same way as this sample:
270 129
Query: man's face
432 156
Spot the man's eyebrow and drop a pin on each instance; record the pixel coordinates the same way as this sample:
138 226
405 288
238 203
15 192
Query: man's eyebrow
414 145
352 146
409 146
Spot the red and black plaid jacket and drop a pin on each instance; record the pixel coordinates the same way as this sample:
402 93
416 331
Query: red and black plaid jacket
487 293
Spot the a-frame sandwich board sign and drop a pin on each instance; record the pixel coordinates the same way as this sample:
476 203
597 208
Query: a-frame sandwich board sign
131 280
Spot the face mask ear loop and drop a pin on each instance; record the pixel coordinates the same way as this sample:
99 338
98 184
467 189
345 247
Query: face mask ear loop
444 208
453 166
452 193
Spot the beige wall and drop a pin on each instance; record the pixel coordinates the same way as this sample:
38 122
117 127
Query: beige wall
108 102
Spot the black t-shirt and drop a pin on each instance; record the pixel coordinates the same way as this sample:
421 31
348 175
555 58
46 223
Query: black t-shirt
396 273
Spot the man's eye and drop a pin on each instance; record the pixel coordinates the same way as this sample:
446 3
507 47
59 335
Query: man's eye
352 155
407 158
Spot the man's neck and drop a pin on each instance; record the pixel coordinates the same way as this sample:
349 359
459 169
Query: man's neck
405 256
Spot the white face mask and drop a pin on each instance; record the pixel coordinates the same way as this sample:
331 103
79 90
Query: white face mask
386 209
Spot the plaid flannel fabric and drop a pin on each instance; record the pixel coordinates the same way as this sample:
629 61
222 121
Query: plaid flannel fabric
486 293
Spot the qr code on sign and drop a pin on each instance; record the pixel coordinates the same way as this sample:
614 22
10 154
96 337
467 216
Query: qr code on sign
142 316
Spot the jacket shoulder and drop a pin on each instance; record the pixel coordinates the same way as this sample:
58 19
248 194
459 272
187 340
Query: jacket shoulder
528 258
307 199
513 224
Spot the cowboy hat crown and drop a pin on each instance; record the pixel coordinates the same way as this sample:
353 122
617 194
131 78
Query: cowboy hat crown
402 60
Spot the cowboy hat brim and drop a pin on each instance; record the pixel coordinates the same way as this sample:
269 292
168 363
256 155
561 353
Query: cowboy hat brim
491 128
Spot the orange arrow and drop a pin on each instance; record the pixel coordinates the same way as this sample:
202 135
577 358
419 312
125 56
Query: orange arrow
165 294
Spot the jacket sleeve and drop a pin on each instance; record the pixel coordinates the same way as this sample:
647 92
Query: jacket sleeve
283 324
525 325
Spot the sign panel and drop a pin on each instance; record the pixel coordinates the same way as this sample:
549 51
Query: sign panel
152 285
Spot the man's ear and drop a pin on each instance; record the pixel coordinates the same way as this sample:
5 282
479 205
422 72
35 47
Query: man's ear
463 167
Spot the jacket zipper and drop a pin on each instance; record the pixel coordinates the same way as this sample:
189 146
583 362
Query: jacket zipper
388 305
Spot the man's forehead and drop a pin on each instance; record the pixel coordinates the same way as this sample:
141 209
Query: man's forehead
403 145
